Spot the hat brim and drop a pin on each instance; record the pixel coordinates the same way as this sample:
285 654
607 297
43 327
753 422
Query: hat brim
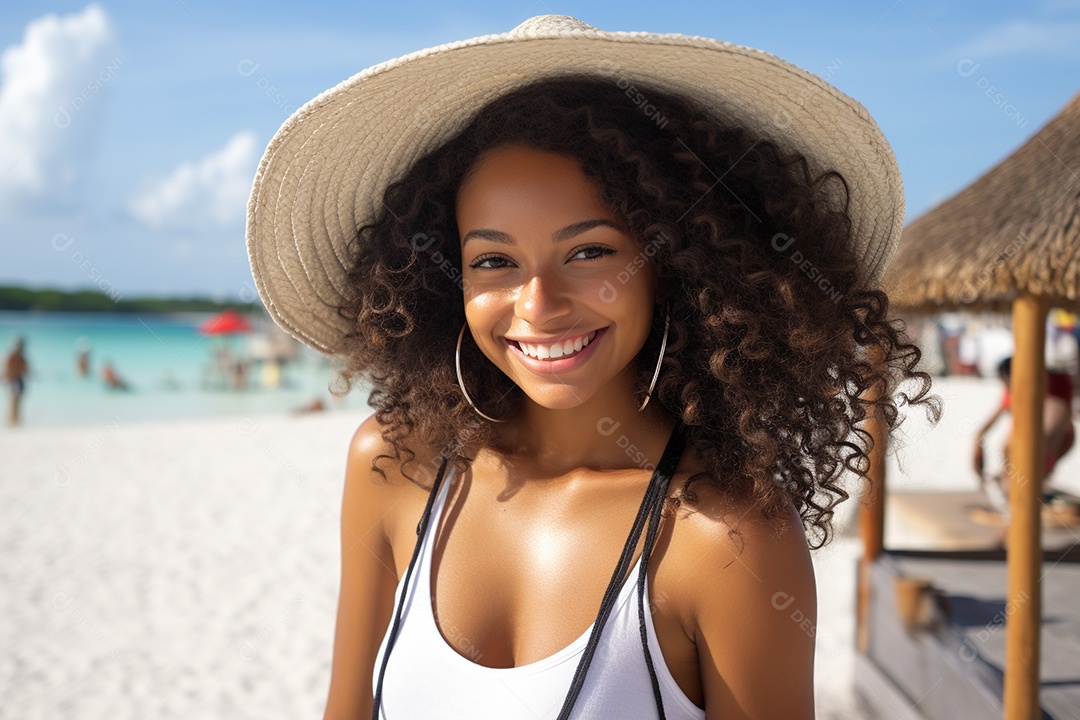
323 173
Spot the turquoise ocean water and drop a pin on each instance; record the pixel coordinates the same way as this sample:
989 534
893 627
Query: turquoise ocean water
166 362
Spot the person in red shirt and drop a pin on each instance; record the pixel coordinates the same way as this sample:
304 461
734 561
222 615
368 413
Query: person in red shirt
1057 426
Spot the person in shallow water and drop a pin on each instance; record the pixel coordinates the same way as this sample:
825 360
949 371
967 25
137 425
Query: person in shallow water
16 370
615 310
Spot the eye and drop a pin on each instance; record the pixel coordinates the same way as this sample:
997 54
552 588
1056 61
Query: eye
479 262
600 249
604 251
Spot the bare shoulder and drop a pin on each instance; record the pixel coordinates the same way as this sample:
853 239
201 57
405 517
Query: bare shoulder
753 607
371 504
370 453
741 527
387 486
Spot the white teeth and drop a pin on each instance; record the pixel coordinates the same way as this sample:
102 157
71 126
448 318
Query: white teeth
557 350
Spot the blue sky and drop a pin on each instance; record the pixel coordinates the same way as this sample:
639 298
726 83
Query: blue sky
130 131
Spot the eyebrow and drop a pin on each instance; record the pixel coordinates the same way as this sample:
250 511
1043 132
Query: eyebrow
566 233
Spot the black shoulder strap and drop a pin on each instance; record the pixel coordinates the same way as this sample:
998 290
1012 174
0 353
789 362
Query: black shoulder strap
420 530
652 504
434 491
650 540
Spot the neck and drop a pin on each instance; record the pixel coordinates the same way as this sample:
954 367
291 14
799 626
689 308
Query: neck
606 432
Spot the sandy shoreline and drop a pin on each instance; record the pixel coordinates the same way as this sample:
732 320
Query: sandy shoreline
190 568
181 569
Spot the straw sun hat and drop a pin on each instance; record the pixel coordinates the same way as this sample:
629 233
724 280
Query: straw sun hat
323 173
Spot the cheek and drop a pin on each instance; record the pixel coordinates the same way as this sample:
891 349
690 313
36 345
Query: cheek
639 304
484 312
640 284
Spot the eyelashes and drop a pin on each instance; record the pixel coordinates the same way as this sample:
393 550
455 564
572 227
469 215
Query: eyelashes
604 252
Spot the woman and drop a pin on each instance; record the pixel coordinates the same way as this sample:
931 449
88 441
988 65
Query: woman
597 315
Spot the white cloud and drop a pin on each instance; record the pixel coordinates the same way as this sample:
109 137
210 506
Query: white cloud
211 192
51 97
1026 37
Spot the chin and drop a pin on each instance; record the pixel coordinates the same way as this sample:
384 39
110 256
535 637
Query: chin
564 398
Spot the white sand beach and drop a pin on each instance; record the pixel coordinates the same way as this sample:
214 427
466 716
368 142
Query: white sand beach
190 569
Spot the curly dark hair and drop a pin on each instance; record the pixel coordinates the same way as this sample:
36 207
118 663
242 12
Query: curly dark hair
771 366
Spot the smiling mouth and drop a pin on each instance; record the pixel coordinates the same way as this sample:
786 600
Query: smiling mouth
546 352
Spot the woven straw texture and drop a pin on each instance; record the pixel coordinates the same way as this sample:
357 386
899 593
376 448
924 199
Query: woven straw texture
323 173
1015 229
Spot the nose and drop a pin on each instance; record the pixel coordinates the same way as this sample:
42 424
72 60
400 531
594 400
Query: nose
541 299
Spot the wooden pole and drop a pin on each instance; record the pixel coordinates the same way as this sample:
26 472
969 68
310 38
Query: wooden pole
1023 611
871 510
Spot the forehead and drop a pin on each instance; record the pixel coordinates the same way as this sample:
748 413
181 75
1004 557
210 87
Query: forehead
516 183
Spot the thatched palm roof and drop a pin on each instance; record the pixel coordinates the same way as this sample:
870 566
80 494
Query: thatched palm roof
1016 228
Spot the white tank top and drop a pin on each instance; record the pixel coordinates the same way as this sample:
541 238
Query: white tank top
427 679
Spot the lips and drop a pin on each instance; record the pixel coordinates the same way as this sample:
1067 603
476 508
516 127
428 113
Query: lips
543 351
557 365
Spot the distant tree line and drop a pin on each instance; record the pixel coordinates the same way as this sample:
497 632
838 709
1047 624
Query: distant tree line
48 300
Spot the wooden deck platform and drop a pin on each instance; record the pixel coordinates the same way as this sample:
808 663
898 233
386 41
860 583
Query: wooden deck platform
949 665
964 521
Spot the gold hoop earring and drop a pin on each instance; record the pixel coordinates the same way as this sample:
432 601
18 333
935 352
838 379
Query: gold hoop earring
659 360
461 382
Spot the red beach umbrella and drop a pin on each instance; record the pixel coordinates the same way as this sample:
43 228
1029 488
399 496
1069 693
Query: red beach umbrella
226 322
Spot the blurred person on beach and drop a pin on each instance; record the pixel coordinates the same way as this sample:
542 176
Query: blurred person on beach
112 379
1058 431
16 370
315 405
82 357
240 368
564 320
1067 323
952 327
223 359
271 373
